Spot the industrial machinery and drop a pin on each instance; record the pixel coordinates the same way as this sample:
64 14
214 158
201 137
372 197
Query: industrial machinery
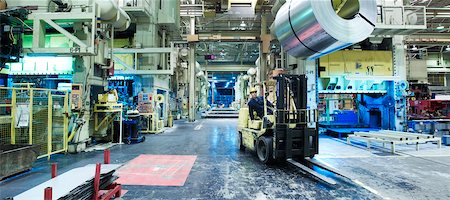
76 97
132 126
149 108
11 30
105 112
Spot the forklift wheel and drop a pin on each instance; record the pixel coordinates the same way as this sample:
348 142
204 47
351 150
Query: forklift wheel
241 144
264 149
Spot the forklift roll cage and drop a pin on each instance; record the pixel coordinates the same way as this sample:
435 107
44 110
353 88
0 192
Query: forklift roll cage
294 131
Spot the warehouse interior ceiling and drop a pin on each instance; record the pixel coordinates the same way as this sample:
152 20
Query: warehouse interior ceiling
228 53
434 39
227 23
430 3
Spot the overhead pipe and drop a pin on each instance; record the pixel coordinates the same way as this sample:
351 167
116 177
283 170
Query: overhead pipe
111 12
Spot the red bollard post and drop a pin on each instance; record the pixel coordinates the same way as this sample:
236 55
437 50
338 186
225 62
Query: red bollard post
96 181
48 193
54 170
107 156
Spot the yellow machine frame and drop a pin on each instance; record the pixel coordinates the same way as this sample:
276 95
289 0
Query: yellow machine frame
154 125
18 135
111 110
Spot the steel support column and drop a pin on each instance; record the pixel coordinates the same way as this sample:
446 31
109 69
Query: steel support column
310 67
191 73
263 56
192 83
399 58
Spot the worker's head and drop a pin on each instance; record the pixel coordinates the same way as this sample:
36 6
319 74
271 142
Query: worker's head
253 92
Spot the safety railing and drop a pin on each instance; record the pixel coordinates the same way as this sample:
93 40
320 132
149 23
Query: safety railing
35 116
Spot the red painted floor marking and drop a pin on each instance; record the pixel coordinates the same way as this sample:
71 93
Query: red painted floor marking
156 170
123 192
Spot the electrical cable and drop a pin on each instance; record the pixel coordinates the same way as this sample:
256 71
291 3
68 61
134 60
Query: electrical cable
25 24
12 35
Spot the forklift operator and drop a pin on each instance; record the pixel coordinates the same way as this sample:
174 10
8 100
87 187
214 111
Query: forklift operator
257 104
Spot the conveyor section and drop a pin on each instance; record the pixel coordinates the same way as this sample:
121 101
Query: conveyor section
221 113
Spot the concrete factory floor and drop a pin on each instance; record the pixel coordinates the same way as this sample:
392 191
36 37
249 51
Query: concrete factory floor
221 171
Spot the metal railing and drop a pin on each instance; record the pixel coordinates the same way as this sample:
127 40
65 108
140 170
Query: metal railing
192 10
35 116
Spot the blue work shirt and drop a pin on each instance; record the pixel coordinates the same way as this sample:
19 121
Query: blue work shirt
257 104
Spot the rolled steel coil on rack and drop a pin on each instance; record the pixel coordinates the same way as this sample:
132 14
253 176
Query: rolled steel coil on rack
310 29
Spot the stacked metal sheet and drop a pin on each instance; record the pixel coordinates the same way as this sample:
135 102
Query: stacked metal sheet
76 184
313 28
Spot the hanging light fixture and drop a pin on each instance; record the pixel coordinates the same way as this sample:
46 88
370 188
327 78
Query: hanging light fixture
448 48
414 48
440 27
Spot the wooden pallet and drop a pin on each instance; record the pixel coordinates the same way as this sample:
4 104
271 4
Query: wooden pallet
393 138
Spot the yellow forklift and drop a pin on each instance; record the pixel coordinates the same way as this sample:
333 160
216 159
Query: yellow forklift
290 133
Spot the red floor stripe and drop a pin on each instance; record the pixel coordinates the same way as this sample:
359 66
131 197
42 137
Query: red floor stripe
156 170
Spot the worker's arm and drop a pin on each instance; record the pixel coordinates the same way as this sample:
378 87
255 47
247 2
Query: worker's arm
251 108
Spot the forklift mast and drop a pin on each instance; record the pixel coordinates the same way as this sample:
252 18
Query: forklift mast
296 128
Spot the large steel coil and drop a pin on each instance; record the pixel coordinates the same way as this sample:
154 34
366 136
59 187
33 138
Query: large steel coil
310 29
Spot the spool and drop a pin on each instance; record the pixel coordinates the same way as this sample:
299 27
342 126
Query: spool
309 29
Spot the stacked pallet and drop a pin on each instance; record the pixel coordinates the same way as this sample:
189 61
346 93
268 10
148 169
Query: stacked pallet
76 184
393 138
